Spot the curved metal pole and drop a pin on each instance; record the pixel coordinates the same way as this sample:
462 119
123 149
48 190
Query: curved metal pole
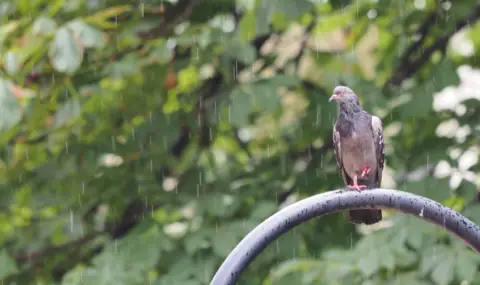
335 201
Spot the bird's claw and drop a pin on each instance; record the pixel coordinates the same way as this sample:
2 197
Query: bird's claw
357 187
365 171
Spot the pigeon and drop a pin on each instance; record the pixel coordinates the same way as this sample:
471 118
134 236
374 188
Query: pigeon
358 144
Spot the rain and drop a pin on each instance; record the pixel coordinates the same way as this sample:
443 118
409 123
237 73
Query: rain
240 142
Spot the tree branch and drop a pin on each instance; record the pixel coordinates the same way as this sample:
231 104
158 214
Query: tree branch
173 16
308 32
412 62
34 256
422 31
116 229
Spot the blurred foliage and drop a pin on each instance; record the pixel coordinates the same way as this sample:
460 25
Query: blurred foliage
141 140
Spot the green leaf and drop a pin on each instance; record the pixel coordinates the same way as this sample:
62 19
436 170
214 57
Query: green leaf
267 9
264 13
387 259
263 210
368 264
247 26
416 231
205 269
407 278
444 74
292 9
54 6
43 26
443 273
195 242
67 112
145 248
264 96
221 205
74 276
124 67
89 36
224 241
429 187
161 53
290 266
466 265
7 265
180 152
66 51
180 271
431 258
247 98
335 20
281 80
239 107
11 63
337 271
188 79
10 112
162 127
114 265
6 30
240 51
473 212
18 57
415 239
405 258
420 104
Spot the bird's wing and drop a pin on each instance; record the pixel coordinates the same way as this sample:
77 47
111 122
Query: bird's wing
379 146
338 153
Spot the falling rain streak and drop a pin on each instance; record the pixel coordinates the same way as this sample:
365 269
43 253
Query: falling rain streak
71 221
112 138
270 153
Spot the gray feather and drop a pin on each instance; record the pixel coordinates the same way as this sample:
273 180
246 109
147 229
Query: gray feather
379 147
356 146
358 143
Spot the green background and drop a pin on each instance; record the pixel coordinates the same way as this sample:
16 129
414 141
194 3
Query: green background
141 140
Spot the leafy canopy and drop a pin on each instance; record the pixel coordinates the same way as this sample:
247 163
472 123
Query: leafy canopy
140 141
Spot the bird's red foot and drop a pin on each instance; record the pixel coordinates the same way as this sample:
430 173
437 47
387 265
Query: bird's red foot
366 170
356 186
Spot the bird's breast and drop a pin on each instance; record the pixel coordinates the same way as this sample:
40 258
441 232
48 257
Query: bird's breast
358 151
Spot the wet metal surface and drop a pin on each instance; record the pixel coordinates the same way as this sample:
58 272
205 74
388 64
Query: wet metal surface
337 201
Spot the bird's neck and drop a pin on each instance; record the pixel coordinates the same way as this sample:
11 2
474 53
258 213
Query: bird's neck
347 111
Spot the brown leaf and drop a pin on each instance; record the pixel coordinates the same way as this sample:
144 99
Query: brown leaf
50 120
170 80
19 92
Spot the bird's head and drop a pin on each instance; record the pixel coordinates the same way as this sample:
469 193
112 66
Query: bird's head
343 94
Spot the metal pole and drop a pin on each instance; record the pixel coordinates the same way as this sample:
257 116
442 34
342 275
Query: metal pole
336 201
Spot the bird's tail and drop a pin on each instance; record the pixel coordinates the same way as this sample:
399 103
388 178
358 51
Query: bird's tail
368 217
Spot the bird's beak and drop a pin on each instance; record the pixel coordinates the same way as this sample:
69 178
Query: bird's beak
334 97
